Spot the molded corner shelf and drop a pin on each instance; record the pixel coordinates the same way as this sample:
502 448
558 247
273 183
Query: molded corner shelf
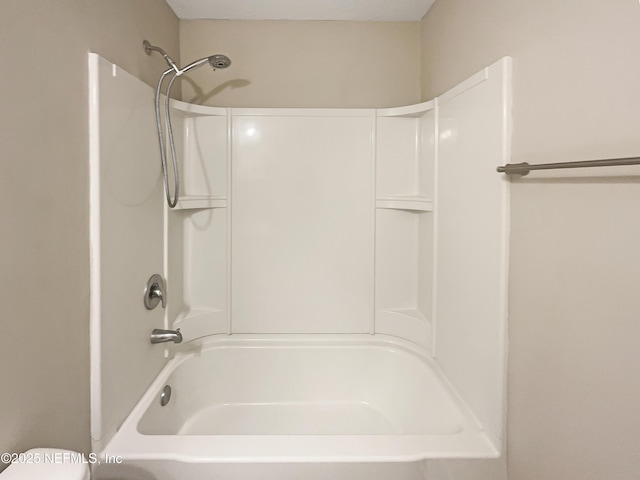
408 323
186 202
193 110
199 322
410 111
409 202
412 313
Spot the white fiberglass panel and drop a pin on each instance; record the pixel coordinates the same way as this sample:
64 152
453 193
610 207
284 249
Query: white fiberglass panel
397 241
204 275
403 274
472 240
397 157
126 243
205 155
302 223
405 158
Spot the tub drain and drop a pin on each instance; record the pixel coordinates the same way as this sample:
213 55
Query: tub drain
165 396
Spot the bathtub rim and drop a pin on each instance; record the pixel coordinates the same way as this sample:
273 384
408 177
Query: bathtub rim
130 444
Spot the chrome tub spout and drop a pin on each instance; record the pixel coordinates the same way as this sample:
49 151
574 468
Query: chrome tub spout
161 336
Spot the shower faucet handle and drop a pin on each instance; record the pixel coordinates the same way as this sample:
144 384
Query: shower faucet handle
155 292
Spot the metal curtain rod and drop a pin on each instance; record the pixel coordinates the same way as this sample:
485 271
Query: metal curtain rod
524 168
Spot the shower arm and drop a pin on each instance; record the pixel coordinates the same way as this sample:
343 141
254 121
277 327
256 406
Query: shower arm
148 48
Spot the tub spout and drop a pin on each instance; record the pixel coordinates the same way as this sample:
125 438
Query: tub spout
161 336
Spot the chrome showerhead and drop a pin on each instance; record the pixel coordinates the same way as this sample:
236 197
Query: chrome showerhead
216 61
219 61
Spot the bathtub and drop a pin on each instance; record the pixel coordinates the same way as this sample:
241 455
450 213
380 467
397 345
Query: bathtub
295 406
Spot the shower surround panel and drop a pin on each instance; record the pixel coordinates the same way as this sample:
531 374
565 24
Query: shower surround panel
345 265
302 222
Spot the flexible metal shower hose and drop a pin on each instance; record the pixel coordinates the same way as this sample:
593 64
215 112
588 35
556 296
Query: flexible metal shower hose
163 154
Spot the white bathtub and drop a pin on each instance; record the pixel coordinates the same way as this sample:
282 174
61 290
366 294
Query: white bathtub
262 407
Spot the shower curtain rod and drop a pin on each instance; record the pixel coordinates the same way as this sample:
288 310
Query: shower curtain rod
524 168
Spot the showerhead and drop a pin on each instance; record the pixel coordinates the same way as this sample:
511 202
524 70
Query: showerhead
216 61
219 61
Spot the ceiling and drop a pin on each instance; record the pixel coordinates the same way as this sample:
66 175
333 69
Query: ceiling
355 10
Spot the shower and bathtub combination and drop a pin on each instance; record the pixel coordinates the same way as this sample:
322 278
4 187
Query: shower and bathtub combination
335 278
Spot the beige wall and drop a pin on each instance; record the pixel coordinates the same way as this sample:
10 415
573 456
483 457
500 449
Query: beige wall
304 63
574 362
44 249
574 366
